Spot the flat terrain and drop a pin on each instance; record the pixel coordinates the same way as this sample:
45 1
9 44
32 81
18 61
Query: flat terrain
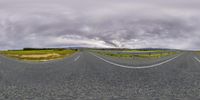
137 57
37 55
136 54
84 76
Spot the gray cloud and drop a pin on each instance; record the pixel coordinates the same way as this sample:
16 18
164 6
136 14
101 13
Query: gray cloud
102 23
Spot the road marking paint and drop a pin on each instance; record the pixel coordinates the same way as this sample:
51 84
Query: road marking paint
197 59
77 58
136 67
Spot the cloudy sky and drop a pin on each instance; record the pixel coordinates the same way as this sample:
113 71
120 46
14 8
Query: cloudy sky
100 23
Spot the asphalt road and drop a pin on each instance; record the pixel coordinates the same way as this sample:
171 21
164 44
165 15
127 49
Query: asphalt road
86 77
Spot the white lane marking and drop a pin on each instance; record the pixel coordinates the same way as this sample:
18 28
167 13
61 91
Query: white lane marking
77 58
136 67
197 59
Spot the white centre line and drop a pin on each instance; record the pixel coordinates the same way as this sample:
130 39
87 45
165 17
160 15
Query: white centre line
136 67
77 58
197 59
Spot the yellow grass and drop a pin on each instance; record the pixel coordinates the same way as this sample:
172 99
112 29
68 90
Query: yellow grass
38 55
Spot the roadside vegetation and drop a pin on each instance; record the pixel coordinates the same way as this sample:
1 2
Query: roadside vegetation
135 50
142 54
38 55
198 52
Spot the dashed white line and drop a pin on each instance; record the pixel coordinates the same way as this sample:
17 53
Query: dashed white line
136 67
197 59
77 58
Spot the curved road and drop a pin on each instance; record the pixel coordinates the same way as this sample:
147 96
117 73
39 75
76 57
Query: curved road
86 77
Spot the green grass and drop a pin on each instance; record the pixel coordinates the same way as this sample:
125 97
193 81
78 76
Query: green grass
38 55
125 55
143 50
130 50
197 52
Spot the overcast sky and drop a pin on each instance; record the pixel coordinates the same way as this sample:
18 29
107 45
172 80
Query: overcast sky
100 23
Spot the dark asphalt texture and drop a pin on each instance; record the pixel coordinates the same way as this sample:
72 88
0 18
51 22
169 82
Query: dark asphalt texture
89 78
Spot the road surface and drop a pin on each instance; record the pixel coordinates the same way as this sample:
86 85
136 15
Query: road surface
87 77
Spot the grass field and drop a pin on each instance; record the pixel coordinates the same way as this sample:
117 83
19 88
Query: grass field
38 55
158 54
135 50
197 52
